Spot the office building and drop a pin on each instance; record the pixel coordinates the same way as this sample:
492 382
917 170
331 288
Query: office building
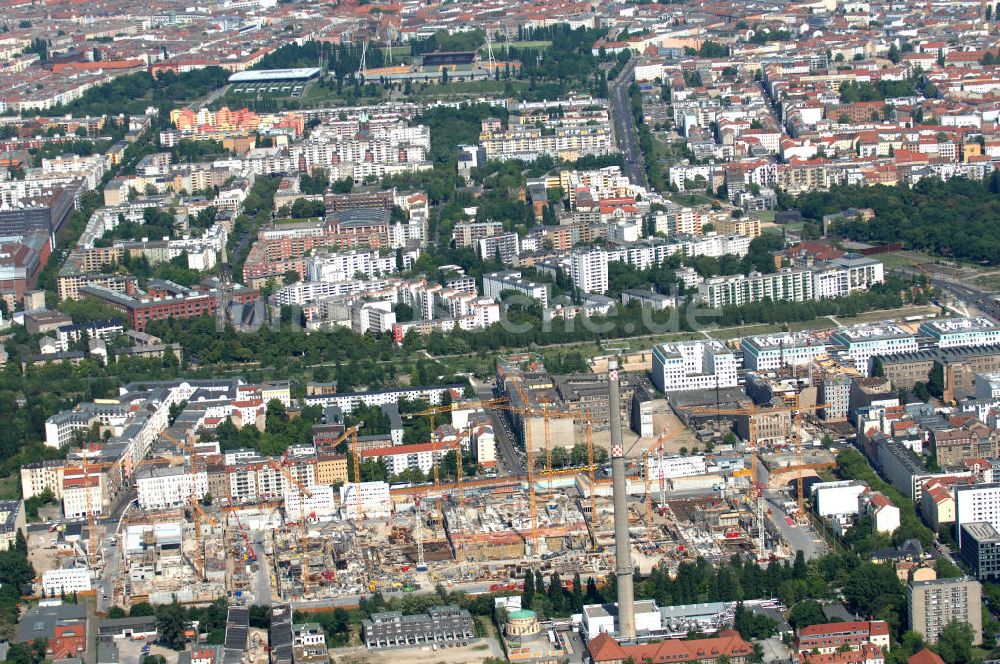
693 365
981 550
57 582
768 352
952 332
934 604
862 342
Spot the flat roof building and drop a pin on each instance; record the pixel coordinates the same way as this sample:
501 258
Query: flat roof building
950 332
441 624
934 604
767 352
981 550
269 75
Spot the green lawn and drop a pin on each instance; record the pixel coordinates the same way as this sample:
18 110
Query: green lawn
432 91
690 200
10 487
904 258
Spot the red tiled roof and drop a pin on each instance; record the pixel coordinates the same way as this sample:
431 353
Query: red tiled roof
603 648
874 628
925 656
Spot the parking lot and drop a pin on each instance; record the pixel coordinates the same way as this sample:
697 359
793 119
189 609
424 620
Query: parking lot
132 652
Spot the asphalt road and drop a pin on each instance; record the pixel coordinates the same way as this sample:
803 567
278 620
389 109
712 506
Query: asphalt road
509 458
625 130
799 537
982 300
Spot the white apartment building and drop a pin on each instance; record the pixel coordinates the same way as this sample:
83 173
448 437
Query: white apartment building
952 332
318 505
369 499
375 317
528 142
347 402
498 282
82 495
862 342
159 488
974 503
676 466
342 266
693 365
304 292
789 284
402 457
768 352
846 275
485 445
56 582
589 271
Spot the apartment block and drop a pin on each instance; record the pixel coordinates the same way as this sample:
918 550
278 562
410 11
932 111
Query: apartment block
934 604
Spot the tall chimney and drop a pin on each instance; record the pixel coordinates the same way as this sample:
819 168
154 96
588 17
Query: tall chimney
623 550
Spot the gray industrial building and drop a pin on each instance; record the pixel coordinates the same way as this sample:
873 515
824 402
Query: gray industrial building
981 550
47 212
441 624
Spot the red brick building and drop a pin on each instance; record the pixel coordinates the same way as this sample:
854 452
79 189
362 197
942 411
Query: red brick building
605 650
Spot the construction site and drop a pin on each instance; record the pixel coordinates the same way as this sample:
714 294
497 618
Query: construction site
479 534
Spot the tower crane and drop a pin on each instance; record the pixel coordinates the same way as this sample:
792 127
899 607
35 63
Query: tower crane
647 454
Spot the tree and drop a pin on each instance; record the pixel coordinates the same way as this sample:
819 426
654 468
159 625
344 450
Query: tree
753 626
955 643
947 569
171 623
878 367
528 594
935 380
805 613
577 593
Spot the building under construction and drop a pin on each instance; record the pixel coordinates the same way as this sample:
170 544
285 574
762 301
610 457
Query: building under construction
499 528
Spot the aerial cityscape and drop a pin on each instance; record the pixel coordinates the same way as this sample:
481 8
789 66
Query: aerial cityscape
541 332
